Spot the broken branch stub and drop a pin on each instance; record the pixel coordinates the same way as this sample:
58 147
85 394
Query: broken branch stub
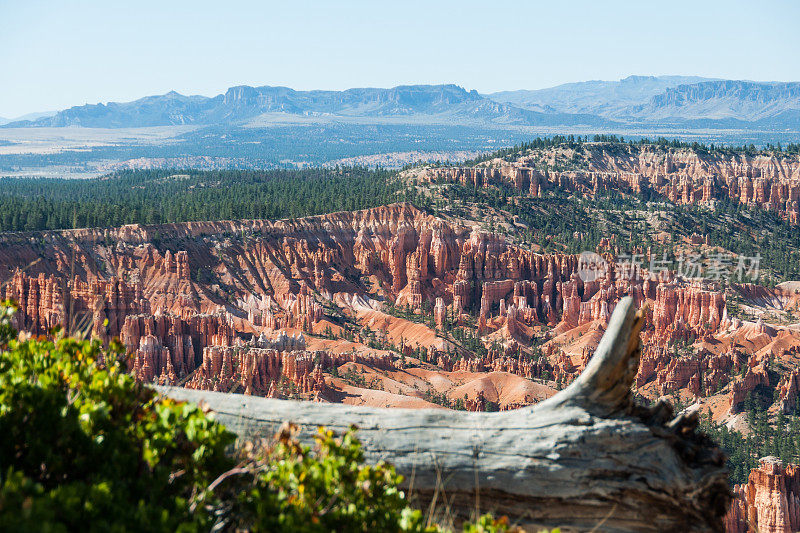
589 457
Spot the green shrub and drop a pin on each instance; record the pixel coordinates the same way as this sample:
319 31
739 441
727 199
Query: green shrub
82 444
85 447
330 490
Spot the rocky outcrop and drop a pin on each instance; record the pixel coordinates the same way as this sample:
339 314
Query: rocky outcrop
208 287
270 372
682 311
770 502
789 391
680 175
167 348
257 370
701 372
281 276
755 375
46 302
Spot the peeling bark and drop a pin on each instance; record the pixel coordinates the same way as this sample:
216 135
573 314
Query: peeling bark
589 457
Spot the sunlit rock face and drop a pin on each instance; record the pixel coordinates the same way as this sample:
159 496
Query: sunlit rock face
770 501
248 306
680 175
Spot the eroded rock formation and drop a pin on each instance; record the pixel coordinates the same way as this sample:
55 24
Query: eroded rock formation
680 175
215 292
769 502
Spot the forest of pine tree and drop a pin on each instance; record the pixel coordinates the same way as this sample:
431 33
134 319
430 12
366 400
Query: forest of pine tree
777 435
162 196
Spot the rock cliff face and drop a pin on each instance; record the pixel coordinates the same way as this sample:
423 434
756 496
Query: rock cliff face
682 176
770 502
168 347
254 306
46 302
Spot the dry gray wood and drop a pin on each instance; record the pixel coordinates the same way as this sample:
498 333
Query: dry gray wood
589 458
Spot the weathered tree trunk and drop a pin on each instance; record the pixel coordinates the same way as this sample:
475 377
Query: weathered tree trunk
587 458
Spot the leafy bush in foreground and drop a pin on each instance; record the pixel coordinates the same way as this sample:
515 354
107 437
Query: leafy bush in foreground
291 489
85 447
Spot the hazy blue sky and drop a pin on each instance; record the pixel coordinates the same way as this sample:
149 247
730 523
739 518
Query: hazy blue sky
62 53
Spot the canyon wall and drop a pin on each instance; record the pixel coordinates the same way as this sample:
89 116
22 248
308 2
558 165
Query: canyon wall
680 175
769 502
202 304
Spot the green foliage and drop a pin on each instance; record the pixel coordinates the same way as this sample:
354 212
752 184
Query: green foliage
7 332
778 437
616 144
539 143
488 524
85 447
162 196
81 443
330 490
740 450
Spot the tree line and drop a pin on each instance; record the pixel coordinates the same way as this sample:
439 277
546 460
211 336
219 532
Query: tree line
619 142
778 436
164 196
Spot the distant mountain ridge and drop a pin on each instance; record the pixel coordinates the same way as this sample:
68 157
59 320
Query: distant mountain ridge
777 102
28 117
604 98
445 103
688 101
671 100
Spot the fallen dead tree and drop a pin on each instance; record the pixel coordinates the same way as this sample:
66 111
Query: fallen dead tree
589 458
